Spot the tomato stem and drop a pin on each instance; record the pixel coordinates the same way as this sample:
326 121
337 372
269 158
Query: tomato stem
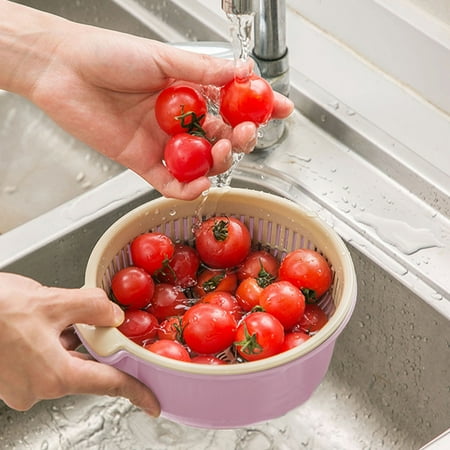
192 125
310 295
249 345
220 230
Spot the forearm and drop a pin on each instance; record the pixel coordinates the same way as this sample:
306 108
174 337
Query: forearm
26 45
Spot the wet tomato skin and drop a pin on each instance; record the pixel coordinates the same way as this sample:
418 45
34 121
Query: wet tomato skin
222 242
294 339
188 157
283 300
133 287
151 250
314 318
168 300
308 270
139 326
208 328
247 99
169 349
259 336
175 101
182 268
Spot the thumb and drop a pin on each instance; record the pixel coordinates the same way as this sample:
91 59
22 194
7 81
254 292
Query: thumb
86 305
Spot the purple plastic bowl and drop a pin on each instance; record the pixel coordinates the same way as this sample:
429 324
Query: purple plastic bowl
232 395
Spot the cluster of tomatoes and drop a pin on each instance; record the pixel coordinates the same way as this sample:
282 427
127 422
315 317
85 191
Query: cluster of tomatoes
181 112
193 303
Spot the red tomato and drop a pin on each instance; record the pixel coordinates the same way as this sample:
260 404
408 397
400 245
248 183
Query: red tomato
169 349
248 99
247 293
283 300
139 325
313 319
308 270
207 359
151 250
188 157
170 328
222 242
182 268
259 264
208 328
168 300
180 109
259 336
225 300
133 287
294 339
210 280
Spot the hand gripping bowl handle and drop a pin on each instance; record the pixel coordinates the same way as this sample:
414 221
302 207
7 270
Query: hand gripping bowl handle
232 395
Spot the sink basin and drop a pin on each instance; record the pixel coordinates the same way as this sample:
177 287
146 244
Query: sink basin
386 361
33 151
388 383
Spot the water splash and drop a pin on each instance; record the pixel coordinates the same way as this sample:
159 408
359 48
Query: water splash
401 235
241 30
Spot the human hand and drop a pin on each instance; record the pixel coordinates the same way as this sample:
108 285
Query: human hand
101 86
39 360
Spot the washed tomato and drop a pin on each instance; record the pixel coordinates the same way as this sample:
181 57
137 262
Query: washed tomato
313 319
225 300
259 336
308 270
168 300
139 326
294 339
259 264
188 157
132 287
170 328
210 280
208 328
207 359
247 99
180 109
151 250
247 293
222 242
182 268
169 349
283 300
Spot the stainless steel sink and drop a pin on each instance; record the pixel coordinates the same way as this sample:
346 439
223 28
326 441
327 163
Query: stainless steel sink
33 151
388 384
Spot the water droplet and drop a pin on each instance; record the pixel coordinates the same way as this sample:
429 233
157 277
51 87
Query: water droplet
173 212
400 234
10 189
80 177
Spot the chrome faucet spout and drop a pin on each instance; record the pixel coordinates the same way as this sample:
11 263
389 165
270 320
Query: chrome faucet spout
237 6
270 51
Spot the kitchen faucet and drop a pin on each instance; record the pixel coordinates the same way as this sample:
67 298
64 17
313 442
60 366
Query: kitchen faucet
269 51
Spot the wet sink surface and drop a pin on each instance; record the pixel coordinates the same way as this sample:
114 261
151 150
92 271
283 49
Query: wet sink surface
33 150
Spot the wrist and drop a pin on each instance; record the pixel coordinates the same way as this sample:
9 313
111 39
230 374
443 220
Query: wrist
27 45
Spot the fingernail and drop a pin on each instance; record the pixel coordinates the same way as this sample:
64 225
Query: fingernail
152 412
119 315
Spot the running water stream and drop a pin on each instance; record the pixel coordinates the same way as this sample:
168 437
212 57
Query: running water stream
242 41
